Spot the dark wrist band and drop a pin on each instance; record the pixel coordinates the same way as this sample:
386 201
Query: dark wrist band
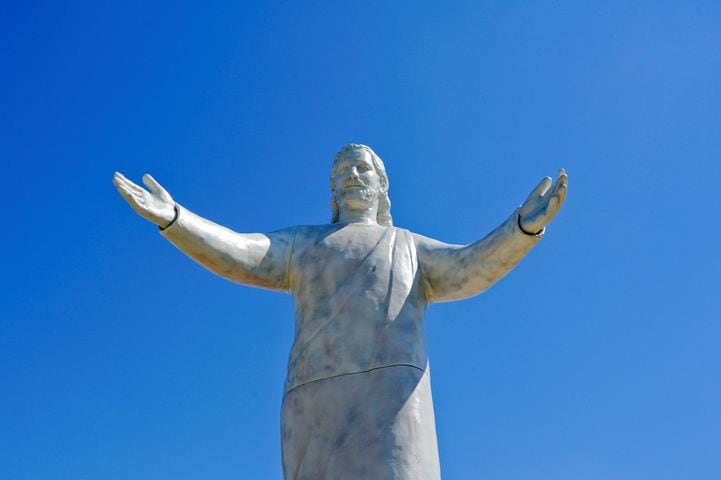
177 213
528 233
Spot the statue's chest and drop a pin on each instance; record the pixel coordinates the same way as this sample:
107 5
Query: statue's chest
350 242
331 257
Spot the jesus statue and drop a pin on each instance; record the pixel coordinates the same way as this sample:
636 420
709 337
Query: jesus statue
357 400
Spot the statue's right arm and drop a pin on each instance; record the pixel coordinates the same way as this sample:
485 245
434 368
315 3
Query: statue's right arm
254 259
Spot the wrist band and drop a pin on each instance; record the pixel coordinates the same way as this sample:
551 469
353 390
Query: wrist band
529 233
177 213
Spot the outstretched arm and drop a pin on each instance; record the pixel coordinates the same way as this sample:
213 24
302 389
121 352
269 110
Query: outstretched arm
452 272
255 259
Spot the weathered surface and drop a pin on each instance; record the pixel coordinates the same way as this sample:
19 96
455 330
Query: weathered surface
357 401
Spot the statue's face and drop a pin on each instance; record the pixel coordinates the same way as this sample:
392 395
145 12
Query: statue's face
357 183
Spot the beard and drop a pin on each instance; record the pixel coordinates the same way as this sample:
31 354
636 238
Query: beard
365 195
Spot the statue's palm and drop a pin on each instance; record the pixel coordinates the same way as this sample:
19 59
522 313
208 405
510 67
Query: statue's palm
543 203
155 205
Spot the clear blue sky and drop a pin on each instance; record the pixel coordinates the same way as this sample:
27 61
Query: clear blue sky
597 358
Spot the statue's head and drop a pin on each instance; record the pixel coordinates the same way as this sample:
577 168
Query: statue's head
370 184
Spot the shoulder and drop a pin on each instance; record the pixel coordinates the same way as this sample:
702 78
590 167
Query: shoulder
314 230
304 230
427 244
303 235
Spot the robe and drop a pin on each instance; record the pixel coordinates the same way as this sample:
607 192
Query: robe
357 402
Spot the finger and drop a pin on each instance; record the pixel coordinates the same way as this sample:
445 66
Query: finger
541 188
551 209
561 194
562 173
561 180
150 182
120 180
129 196
156 188
122 177
556 200
120 184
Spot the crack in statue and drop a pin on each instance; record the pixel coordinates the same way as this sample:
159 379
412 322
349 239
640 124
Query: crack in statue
357 402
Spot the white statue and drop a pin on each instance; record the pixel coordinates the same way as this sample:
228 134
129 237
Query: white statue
357 402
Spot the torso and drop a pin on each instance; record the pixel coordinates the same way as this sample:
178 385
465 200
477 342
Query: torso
358 301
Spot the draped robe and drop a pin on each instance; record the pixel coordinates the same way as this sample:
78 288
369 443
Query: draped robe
357 401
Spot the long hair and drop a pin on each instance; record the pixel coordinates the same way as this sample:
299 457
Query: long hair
384 202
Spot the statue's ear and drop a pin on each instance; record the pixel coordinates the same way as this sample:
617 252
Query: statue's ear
384 185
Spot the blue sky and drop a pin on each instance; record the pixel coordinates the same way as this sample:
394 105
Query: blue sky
597 358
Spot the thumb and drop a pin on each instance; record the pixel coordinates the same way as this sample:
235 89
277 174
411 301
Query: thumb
155 188
541 188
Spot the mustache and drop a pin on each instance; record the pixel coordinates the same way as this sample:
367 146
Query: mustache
354 184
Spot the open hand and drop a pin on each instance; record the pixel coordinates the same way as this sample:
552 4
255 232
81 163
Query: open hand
155 205
543 203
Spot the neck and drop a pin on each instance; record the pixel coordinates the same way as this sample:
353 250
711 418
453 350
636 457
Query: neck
362 215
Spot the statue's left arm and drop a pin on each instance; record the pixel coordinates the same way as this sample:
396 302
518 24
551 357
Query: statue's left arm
452 272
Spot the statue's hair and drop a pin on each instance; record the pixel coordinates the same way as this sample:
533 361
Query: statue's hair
384 202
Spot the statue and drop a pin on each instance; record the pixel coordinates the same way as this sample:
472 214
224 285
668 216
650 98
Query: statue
357 401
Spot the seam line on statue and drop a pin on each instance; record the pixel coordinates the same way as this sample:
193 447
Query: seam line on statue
356 373
289 282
